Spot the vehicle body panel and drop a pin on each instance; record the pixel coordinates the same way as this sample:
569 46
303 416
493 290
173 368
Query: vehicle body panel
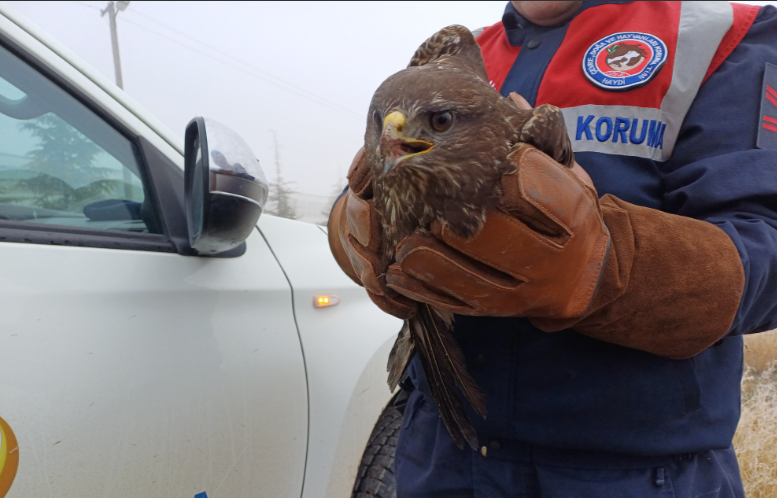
346 350
132 373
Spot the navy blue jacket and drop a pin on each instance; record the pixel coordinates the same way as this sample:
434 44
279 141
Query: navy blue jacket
564 390
567 391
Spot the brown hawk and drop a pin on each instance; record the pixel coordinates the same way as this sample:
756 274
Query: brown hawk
438 136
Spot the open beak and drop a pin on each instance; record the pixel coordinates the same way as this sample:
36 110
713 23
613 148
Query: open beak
394 148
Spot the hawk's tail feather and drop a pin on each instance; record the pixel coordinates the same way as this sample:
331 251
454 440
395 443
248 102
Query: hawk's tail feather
439 326
400 356
445 368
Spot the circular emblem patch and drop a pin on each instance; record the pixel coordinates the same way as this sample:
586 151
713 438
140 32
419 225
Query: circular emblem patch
623 61
9 457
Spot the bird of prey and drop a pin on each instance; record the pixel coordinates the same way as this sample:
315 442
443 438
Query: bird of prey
437 140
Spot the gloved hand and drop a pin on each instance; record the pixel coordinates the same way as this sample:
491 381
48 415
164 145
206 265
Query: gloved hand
539 255
355 240
553 252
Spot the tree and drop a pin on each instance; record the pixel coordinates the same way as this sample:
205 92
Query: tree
337 189
63 157
280 201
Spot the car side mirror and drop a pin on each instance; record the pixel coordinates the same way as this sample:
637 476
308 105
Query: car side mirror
225 189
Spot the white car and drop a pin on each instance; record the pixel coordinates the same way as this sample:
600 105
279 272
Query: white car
157 340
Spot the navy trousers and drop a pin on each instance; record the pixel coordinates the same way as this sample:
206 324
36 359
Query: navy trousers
428 465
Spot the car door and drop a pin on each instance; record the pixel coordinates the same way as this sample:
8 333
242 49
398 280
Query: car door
128 366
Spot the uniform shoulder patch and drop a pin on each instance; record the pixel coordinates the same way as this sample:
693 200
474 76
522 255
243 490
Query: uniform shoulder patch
623 61
767 121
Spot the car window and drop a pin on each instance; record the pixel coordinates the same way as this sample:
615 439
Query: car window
60 163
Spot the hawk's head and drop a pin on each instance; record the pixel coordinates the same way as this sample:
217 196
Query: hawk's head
437 132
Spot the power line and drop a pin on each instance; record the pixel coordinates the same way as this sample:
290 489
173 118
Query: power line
255 71
225 54
289 88
82 4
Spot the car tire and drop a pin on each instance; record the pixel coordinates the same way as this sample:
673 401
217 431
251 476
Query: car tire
376 470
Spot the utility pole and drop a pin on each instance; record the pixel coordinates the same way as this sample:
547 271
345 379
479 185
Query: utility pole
112 10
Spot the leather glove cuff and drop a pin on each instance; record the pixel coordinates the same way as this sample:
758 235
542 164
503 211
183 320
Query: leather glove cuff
671 285
355 238
337 221
366 234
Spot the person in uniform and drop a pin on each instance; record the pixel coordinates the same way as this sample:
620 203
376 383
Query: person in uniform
672 111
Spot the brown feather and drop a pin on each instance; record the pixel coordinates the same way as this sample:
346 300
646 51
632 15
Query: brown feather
444 366
440 324
454 183
400 356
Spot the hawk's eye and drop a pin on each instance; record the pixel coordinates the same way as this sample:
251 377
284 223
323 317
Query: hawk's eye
378 120
441 121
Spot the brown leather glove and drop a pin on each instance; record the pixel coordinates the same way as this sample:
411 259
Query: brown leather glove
670 286
355 241
540 254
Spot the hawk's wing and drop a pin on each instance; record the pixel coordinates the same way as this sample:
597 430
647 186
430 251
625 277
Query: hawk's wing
547 131
453 41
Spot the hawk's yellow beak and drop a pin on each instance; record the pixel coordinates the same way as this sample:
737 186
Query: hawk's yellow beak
395 120
394 147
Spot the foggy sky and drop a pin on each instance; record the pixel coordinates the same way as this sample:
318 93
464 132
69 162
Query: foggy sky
339 52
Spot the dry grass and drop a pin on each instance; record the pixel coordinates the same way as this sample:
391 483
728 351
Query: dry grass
756 437
761 350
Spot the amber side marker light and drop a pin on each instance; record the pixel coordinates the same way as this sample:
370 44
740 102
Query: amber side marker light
325 300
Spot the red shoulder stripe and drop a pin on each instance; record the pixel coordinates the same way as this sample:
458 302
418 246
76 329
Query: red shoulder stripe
498 54
744 15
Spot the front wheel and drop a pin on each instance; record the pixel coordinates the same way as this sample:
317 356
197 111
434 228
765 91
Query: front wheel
376 470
